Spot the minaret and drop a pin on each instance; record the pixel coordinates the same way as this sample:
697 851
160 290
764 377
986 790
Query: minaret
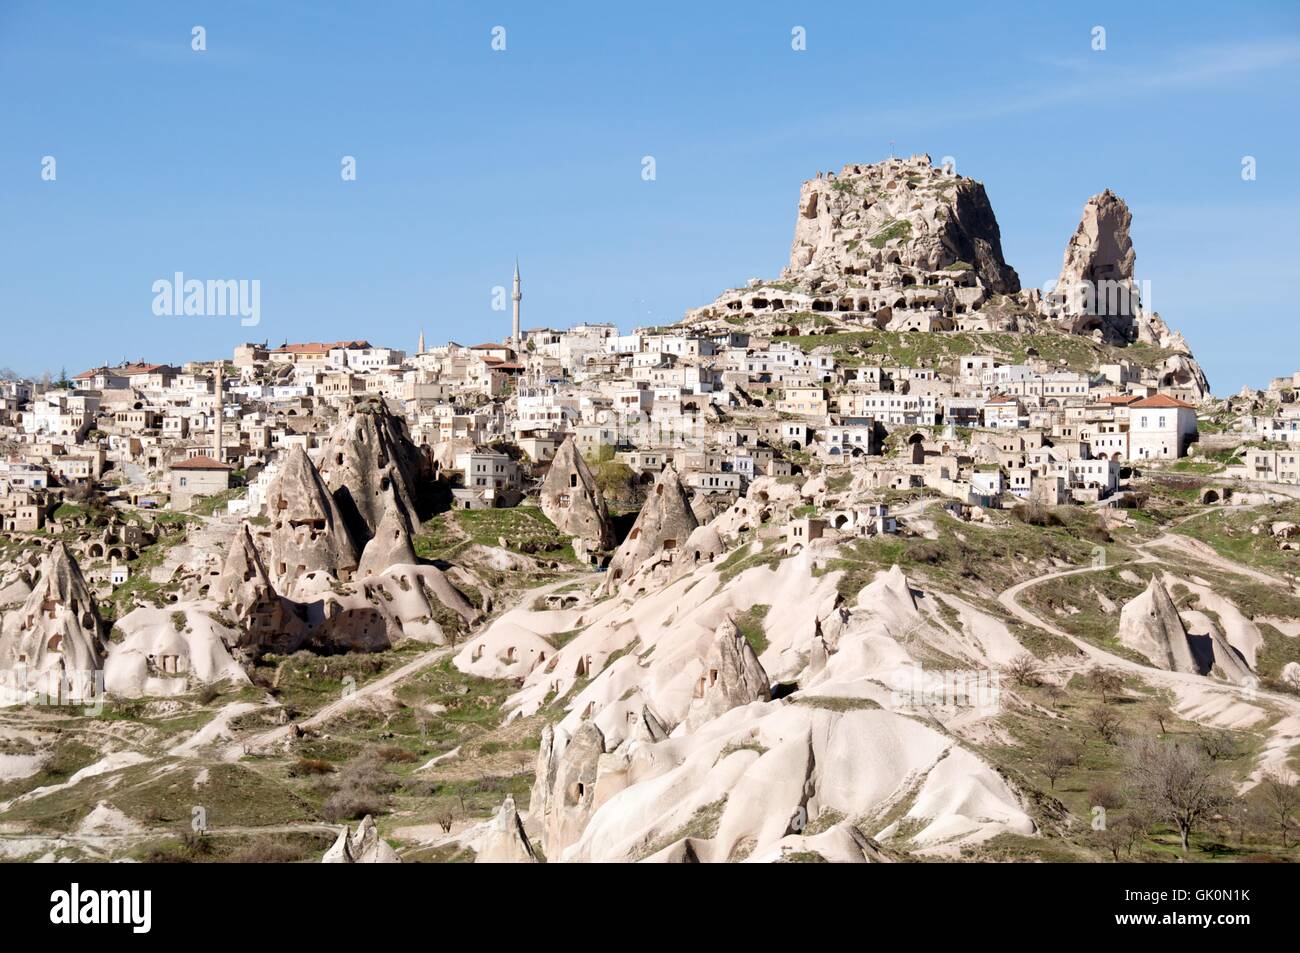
515 341
219 413
421 351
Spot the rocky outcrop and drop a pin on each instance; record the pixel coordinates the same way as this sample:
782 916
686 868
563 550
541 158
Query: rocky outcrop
572 501
367 454
307 530
564 794
168 651
266 620
662 527
243 578
1149 624
364 846
391 543
732 677
896 217
57 632
1100 251
505 841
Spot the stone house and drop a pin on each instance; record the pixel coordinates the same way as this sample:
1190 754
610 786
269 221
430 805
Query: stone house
195 477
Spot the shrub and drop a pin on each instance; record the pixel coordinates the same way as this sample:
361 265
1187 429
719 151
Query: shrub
1035 514
306 767
266 851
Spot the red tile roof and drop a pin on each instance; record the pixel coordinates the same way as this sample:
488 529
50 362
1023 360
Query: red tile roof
318 347
199 463
1162 401
124 370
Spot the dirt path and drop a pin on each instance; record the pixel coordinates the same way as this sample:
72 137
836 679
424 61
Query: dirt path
1282 735
275 737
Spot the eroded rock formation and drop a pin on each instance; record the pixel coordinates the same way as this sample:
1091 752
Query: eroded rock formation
572 501
308 533
1149 623
662 527
732 677
57 633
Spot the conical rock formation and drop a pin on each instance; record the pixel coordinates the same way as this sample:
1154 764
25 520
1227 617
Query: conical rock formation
572 501
308 533
58 627
1149 623
732 677
664 524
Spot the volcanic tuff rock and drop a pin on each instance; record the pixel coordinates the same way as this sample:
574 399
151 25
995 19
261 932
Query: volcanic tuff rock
504 841
365 846
732 677
391 543
1149 623
165 651
572 501
58 625
267 620
663 525
1095 289
368 452
308 533
898 217
563 796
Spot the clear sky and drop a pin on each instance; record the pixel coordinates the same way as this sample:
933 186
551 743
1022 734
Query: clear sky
226 163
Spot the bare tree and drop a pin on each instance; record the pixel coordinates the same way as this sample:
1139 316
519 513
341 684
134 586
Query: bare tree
1023 669
1119 836
445 814
1162 714
1177 782
1219 745
1058 759
1282 801
1105 682
1105 794
1105 722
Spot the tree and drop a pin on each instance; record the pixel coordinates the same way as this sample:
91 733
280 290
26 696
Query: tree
1120 835
1282 801
1162 714
1105 682
1023 669
1105 794
1177 782
445 814
1219 745
1058 759
1105 722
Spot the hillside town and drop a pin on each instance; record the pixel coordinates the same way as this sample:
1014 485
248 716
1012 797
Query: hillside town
522 522
736 391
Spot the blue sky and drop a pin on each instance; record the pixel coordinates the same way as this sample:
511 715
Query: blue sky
226 163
